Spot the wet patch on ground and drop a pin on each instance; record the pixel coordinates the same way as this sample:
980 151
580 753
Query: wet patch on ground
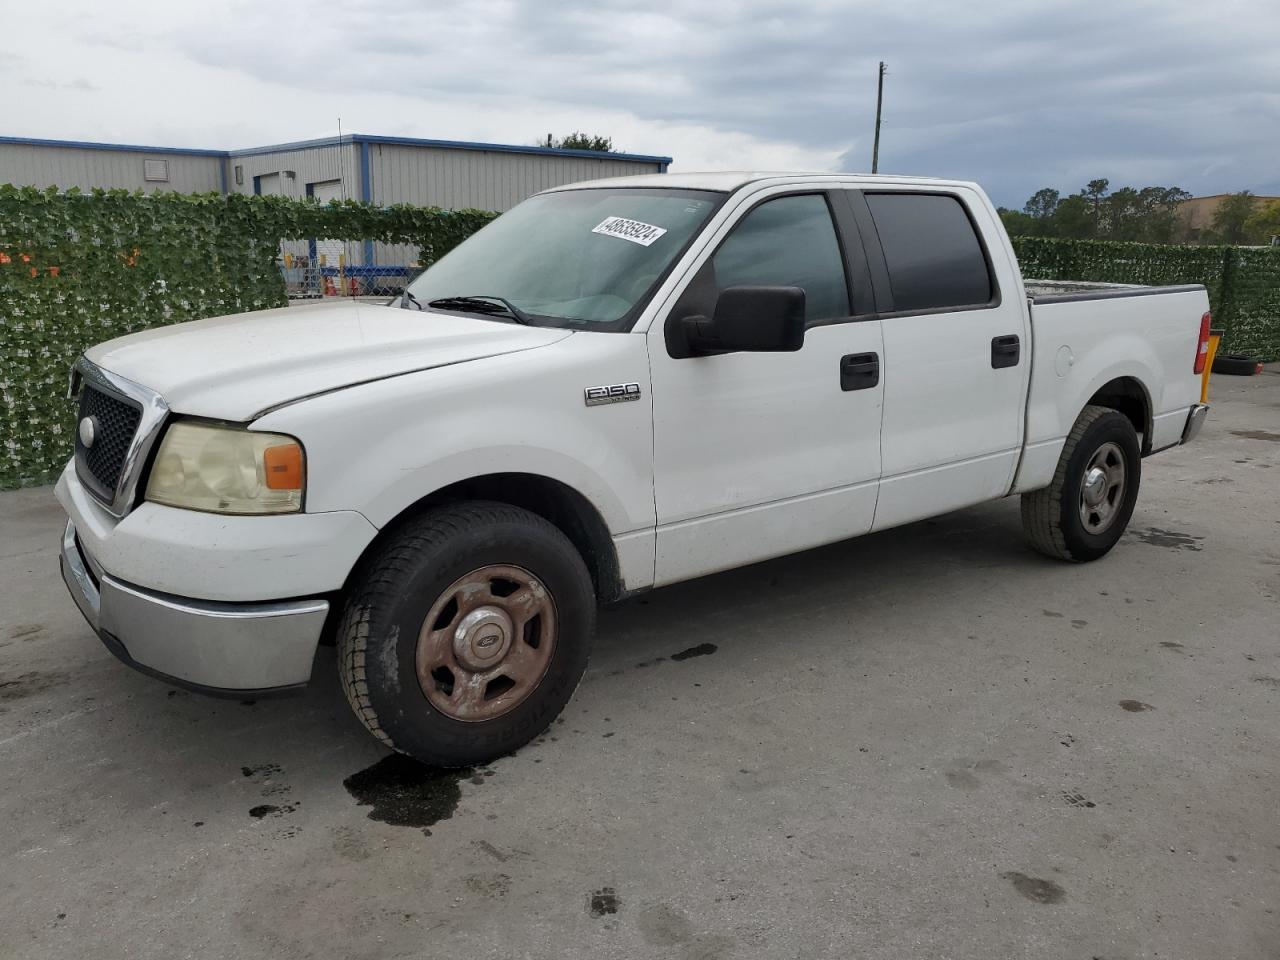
405 793
1078 800
1273 682
28 684
1035 889
1257 435
264 810
701 650
25 631
603 902
1135 706
1172 539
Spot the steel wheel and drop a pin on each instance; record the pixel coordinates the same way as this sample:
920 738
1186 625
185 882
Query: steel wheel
486 643
1102 488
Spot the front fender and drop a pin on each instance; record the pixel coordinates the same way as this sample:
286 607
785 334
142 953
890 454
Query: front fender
380 447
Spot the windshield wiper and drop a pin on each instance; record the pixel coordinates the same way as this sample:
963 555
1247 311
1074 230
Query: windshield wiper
407 298
482 303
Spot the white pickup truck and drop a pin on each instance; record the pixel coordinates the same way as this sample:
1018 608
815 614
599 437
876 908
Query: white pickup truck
614 386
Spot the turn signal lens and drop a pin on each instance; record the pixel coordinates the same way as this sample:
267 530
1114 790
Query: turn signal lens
283 464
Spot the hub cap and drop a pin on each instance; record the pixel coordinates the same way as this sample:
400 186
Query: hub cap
486 643
1102 488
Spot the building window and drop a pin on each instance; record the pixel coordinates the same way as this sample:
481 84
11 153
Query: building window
157 170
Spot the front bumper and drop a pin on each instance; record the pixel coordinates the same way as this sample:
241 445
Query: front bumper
1195 420
232 649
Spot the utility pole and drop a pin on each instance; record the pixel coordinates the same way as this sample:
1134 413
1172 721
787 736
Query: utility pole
875 150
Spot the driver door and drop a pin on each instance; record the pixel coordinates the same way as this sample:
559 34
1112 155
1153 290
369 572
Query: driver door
762 454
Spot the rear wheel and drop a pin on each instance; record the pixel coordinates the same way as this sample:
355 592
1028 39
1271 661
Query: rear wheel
467 633
1085 509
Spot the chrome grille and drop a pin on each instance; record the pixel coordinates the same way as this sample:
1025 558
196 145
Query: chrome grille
115 421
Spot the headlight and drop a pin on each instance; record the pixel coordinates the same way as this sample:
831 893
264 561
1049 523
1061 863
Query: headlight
227 470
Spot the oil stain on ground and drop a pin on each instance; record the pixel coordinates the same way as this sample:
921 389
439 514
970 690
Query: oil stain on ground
701 650
1135 706
28 684
1168 538
1035 889
603 902
1257 435
406 793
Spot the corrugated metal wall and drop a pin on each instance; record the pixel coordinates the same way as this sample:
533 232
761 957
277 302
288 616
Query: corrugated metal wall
47 166
485 180
308 164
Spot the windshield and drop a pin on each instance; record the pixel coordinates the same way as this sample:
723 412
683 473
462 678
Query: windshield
585 256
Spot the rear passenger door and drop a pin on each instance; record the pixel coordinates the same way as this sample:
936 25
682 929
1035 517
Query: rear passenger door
956 354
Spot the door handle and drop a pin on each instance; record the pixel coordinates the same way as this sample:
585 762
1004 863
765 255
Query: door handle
859 371
1005 351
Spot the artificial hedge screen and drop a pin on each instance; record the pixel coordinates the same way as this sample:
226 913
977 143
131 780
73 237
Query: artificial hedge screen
80 268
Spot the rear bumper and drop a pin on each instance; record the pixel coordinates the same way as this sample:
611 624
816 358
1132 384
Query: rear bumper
1195 420
230 649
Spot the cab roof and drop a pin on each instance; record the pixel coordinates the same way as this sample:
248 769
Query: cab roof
729 181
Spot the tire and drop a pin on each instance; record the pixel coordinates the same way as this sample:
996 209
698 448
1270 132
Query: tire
508 560
1235 365
1052 517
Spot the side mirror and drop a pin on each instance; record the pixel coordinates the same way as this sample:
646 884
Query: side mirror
755 319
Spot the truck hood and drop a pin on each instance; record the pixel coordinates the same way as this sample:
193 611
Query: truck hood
236 367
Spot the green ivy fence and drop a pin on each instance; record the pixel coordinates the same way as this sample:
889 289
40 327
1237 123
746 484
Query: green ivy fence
1243 282
80 268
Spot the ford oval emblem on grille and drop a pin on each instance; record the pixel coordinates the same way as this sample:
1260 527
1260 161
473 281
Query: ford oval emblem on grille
88 431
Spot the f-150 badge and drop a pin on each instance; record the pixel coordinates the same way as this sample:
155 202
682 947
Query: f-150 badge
615 393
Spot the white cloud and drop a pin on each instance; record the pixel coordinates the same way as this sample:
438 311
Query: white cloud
1014 94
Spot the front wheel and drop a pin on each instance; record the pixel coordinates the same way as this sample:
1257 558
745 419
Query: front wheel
467 633
1085 509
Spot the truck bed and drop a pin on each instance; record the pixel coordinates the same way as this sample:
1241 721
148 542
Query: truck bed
1066 291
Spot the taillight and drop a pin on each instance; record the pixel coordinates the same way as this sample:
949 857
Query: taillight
1202 348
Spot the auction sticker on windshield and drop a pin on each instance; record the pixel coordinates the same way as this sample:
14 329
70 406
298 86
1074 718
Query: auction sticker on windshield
633 230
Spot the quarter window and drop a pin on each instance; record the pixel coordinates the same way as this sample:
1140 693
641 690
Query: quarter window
932 252
788 242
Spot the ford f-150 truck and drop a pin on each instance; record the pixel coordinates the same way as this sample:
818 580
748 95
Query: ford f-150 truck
614 386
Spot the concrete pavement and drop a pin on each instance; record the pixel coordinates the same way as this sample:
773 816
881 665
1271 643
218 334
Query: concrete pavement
929 742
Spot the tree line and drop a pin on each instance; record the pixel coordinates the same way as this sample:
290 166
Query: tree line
1146 214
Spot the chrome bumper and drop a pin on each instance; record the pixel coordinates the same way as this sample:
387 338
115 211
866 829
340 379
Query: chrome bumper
1195 420
235 649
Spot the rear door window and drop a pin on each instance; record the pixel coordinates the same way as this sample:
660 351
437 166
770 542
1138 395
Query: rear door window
932 251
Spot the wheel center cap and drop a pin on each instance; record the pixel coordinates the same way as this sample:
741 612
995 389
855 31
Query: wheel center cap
1095 487
482 638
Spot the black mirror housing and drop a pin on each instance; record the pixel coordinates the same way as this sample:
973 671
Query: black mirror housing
750 319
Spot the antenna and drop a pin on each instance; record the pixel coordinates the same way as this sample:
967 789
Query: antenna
875 150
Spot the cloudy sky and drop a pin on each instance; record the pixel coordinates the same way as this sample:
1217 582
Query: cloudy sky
1016 94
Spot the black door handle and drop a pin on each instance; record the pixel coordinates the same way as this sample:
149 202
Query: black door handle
1005 351
859 371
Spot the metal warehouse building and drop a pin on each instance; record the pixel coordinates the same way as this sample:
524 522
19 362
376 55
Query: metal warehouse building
380 170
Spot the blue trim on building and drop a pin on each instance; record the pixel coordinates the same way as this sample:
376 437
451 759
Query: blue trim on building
339 141
366 190
123 147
